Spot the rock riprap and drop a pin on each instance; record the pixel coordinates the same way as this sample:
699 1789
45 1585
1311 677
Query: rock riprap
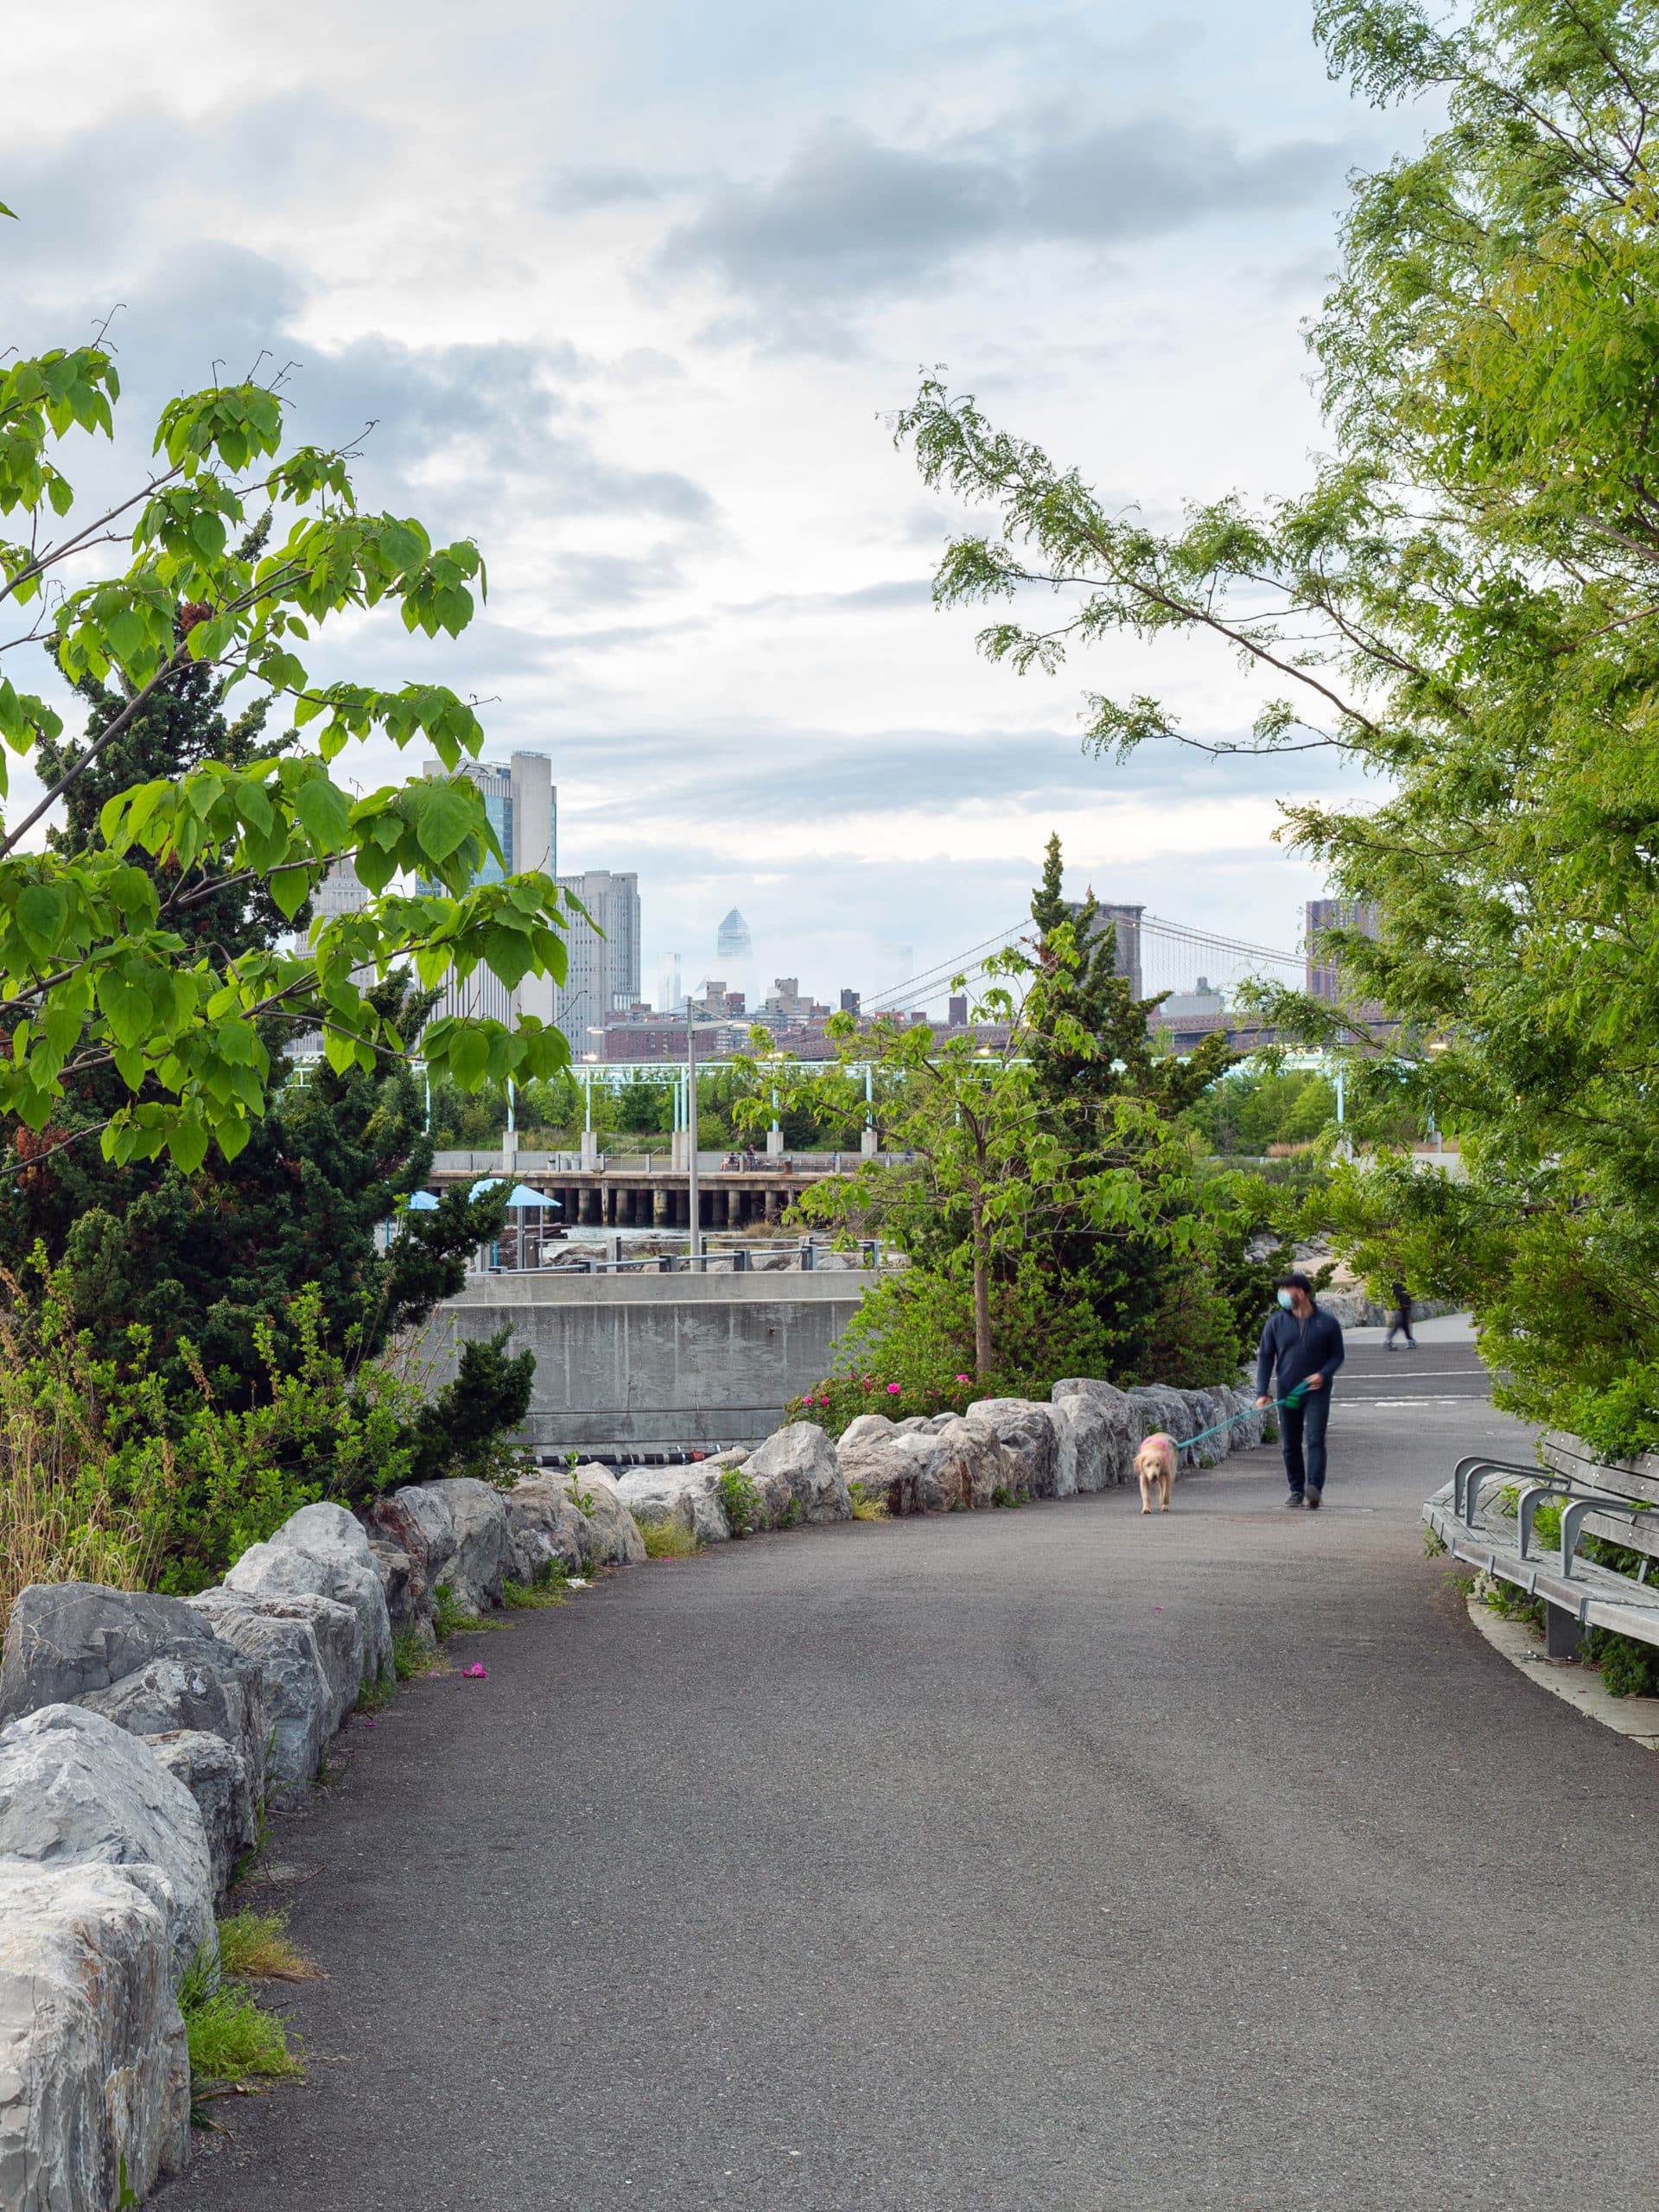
94 2073
323 1551
75 1790
806 1459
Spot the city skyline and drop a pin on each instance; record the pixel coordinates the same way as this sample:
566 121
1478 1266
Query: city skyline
683 320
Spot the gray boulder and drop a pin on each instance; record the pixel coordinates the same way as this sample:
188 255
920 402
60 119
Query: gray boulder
308 1652
213 1688
94 2073
863 1431
1247 1432
146 1663
774 1501
67 1640
923 1466
408 1602
412 1541
598 1497
75 1788
323 1551
545 1524
217 1777
1028 1433
1093 1439
688 1496
456 1534
804 1456
483 1557
1107 1452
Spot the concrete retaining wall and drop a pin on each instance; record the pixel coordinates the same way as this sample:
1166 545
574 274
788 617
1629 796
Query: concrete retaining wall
645 1363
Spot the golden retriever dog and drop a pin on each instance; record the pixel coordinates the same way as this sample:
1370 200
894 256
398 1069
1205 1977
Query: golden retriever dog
1155 1463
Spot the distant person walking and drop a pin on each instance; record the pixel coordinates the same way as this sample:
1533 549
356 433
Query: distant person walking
1304 1342
1400 1318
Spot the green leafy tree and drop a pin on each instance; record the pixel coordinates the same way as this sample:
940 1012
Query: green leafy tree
1053 1219
1464 602
98 968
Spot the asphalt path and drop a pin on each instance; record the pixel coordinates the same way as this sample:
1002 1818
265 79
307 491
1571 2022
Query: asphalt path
1057 1858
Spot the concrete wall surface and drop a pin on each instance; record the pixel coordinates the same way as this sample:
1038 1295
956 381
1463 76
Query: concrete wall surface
651 1362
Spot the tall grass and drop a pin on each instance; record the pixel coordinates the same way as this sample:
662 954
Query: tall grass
69 1512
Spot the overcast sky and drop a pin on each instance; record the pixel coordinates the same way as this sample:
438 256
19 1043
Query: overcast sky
627 291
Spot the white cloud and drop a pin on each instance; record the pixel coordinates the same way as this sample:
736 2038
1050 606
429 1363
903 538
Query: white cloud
707 564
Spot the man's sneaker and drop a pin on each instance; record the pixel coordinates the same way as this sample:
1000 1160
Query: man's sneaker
1296 1498
1313 1498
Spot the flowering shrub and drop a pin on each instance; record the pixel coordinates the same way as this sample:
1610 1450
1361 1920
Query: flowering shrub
842 1398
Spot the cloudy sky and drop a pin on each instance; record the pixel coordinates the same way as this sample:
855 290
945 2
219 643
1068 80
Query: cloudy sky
626 292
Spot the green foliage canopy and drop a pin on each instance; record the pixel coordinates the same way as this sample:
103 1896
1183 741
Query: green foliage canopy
1465 601
98 968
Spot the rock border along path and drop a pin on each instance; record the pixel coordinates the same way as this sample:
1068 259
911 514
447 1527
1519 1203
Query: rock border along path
142 1734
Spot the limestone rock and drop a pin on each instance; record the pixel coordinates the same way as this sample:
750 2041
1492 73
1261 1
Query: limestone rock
953 1466
455 1532
804 1455
217 1776
775 1506
408 1602
94 2073
415 1524
688 1496
148 1664
1093 1435
68 1639
74 1788
545 1524
323 1551
1028 1433
211 1688
865 1429
1247 1435
308 1652
597 1496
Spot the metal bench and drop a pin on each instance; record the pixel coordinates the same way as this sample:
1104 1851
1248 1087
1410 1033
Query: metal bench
1487 1515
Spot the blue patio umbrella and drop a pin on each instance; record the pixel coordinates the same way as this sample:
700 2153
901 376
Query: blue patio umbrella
522 1195
422 1202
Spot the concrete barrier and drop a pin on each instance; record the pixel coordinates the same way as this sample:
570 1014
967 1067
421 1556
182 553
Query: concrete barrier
651 1362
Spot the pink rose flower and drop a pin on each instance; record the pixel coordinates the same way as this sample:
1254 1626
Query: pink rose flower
893 1389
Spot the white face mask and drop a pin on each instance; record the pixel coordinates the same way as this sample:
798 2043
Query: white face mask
1285 1299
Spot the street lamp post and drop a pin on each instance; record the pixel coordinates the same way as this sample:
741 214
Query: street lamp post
695 1203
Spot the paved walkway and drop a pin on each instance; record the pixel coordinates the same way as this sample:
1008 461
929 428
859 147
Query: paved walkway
1046 1861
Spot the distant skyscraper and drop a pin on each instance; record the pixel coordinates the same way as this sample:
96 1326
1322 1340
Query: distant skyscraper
523 806
732 940
339 892
670 992
849 1002
603 978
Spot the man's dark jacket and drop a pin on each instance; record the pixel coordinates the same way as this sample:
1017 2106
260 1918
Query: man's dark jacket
1299 1349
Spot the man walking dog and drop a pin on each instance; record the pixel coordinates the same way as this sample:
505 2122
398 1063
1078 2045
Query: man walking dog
1305 1344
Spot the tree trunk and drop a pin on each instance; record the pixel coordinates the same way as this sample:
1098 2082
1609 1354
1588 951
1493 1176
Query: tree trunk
982 1294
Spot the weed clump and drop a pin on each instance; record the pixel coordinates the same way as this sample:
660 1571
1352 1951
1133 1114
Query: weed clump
256 1946
741 1500
548 1588
231 2037
665 1539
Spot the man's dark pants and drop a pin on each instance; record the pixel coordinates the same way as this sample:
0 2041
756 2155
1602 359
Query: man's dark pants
1303 1426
